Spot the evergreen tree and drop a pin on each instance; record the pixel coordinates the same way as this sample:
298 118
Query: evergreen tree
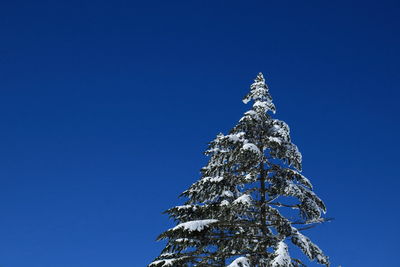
234 215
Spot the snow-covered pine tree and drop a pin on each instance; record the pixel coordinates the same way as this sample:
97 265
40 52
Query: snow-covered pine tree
234 215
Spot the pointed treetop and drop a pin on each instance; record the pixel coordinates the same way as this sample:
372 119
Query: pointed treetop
259 93
260 77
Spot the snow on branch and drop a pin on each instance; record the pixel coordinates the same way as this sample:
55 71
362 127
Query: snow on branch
240 262
244 200
282 257
192 226
252 147
309 248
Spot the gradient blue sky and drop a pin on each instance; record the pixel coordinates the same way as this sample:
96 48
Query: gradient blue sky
107 106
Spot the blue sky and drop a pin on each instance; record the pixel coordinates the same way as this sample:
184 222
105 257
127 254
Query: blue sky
107 106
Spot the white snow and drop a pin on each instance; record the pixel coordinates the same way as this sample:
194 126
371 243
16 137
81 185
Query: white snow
212 179
186 207
227 193
249 177
251 113
280 128
282 257
264 105
304 243
309 248
246 100
245 200
261 104
167 254
192 226
252 147
181 240
224 203
166 262
216 150
235 137
242 260
275 139
294 190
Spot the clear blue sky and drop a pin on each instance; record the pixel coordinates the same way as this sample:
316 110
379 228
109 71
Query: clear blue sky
107 106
